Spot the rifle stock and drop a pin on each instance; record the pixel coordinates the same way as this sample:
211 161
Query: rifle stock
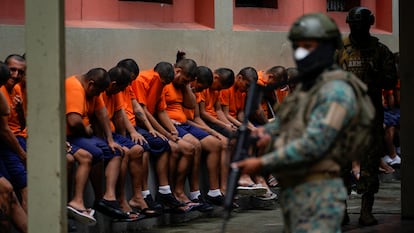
241 147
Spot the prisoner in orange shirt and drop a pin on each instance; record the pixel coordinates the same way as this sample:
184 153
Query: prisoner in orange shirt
233 99
204 79
159 147
83 102
114 102
275 76
147 89
15 163
210 104
173 97
177 95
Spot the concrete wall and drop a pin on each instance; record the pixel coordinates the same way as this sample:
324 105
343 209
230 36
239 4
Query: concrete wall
93 47
92 44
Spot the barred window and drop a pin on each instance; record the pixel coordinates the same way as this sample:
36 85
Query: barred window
257 3
341 5
156 1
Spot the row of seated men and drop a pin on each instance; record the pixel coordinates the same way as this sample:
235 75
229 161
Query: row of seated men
180 116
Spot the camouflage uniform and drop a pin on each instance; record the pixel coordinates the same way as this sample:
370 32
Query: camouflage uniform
374 65
312 193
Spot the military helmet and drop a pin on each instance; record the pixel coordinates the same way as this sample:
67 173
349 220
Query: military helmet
360 15
316 26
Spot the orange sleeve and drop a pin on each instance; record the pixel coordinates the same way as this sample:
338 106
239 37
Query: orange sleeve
174 103
129 110
162 104
13 120
113 103
75 96
261 78
189 113
148 89
139 90
225 97
209 101
199 97
76 100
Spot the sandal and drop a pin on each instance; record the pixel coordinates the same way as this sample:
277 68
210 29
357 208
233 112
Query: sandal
147 211
187 207
132 217
111 209
83 216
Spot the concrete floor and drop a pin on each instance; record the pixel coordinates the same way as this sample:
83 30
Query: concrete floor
387 210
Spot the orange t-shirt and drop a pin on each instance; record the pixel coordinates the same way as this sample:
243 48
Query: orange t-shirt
148 89
210 97
128 95
76 101
262 80
190 113
172 103
113 103
14 122
24 97
234 99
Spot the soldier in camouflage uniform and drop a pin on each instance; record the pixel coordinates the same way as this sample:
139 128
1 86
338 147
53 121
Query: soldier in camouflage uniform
306 138
373 63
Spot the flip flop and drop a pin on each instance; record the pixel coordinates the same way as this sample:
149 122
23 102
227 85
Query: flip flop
82 215
256 190
130 219
180 210
110 208
148 212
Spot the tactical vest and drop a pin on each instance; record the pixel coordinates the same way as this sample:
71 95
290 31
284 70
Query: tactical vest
361 62
352 141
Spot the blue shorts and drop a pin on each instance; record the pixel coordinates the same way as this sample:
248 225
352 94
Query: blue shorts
184 129
14 168
222 130
392 117
3 171
156 145
98 147
127 142
73 149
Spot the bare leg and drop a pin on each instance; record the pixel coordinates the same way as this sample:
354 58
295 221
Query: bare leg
23 192
145 170
212 146
11 208
195 166
84 159
111 174
19 216
133 159
70 163
182 170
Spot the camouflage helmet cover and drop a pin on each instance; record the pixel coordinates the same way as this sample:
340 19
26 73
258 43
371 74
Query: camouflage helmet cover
316 26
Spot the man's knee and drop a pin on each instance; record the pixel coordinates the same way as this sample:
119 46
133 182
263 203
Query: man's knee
5 187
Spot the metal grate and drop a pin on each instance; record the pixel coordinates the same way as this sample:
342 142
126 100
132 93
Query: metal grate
155 1
341 5
257 3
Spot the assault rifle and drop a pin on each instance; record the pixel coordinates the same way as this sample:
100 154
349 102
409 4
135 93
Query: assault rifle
244 140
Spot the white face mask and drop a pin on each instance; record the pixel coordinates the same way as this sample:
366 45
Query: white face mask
300 53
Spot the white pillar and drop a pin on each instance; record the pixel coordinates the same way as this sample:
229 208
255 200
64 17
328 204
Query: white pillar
45 53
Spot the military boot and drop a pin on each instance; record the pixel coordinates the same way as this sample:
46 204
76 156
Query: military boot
345 219
366 218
